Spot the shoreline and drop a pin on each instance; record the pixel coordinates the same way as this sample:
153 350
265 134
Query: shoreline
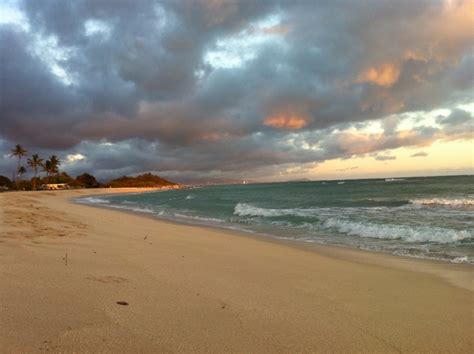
443 268
201 289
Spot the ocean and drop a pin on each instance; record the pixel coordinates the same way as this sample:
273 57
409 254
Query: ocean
424 217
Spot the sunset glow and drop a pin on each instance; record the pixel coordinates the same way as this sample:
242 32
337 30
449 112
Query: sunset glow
286 122
385 75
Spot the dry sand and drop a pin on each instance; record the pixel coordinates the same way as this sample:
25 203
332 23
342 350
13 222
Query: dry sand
195 289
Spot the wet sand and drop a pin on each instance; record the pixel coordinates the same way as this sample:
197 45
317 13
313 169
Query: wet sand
197 289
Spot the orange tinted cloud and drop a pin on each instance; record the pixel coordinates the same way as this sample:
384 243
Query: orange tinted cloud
289 122
456 32
385 75
277 29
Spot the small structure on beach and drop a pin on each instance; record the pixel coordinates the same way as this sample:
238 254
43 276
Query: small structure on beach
54 186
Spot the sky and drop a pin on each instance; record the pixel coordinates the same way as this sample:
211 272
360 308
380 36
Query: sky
257 90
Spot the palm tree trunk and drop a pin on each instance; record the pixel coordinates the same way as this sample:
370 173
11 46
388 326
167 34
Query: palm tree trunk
17 179
34 178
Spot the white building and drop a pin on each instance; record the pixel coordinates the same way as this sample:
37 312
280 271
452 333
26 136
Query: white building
53 186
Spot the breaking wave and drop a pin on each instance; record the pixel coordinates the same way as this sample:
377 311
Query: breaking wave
92 200
243 209
457 202
365 229
398 232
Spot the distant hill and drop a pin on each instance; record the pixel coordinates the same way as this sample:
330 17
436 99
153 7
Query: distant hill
144 180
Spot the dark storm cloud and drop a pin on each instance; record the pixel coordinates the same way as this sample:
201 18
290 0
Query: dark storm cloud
137 74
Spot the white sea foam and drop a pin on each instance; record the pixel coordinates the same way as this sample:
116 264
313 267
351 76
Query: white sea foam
464 259
398 232
243 209
456 202
92 200
394 179
190 197
200 218
136 209
126 206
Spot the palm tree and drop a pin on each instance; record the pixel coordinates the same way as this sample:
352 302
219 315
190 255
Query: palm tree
21 171
55 162
34 162
18 152
47 168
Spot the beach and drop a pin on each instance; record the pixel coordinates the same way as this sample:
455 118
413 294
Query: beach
64 267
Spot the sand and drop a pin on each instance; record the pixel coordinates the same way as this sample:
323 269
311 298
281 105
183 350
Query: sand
196 289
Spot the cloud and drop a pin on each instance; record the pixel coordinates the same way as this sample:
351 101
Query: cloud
276 29
287 82
385 158
347 169
385 75
289 122
419 154
456 117
75 157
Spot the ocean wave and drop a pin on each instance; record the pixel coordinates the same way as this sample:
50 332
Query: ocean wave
243 209
136 209
92 200
444 201
394 179
398 232
463 259
199 218
127 205
190 197
383 202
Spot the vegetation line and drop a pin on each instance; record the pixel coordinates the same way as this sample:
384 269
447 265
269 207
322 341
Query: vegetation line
56 179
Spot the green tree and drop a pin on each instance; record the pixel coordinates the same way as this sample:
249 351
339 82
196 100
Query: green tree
87 180
5 182
63 177
18 152
34 162
51 167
